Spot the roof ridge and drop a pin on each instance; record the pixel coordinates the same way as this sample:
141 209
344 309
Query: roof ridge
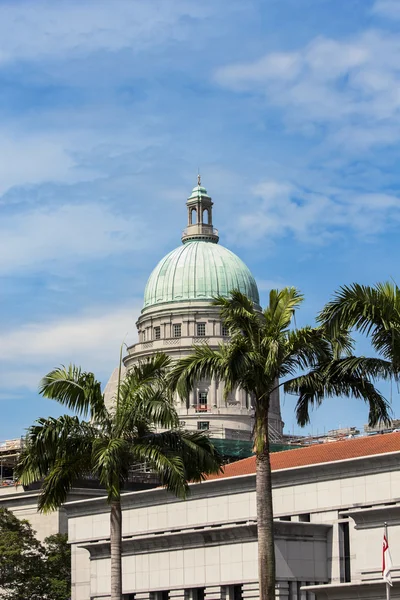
335 451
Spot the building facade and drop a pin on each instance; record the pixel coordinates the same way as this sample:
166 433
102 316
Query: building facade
178 314
330 504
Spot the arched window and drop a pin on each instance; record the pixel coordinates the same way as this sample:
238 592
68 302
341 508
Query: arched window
206 216
193 216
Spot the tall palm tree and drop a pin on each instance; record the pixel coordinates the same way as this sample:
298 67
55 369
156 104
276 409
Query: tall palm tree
61 451
263 350
374 311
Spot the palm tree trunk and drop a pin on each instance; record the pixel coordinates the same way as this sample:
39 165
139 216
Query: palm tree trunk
116 549
265 524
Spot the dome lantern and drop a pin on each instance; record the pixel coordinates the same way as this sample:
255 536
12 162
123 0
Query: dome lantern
200 227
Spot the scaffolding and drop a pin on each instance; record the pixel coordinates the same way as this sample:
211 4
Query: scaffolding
9 453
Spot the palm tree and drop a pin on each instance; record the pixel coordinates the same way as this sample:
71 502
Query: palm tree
374 311
263 350
61 451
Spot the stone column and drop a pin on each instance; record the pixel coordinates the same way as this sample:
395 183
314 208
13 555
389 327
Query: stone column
334 550
220 394
212 593
212 394
193 397
282 590
187 328
303 593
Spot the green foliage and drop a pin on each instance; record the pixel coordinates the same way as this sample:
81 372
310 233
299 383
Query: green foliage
372 310
312 362
61 451
28 568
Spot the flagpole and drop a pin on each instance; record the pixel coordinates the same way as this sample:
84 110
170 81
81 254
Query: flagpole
387 584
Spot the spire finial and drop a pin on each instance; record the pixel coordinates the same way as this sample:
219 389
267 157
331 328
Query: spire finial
198 179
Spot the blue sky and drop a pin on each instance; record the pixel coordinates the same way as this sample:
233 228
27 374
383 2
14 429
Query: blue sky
290 109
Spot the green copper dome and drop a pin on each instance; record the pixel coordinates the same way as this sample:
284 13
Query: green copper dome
198 270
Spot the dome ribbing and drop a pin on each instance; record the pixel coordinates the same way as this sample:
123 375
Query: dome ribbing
198 270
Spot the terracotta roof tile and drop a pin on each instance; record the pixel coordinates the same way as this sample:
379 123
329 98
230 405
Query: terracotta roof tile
318 454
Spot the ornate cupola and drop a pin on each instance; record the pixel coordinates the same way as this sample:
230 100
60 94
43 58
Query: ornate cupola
200 227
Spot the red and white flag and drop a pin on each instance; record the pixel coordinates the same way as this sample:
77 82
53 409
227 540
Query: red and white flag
386 561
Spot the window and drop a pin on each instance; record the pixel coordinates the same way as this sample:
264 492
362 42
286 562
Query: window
177 330
162 595
157 333
203 397
203 425
195 594
201 405
225 331
233 592
201 329
144 335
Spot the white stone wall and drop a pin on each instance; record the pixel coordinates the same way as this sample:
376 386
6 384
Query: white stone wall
24 506
360 492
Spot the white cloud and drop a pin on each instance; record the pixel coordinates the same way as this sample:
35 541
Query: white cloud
387 8
33 30
67 233
339 84
91 339
282 208
33 158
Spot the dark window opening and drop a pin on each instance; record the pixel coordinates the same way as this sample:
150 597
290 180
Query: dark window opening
344 540
305 518
195 594
237 592
203 425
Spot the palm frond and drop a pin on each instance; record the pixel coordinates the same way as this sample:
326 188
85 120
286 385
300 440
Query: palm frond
361 307
239 315
111 462
76 389
281 308
313 387
57 451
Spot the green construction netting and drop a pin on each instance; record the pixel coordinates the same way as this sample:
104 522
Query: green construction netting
242 449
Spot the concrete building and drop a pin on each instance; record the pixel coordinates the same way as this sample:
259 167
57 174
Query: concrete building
23 504
178 313
330 502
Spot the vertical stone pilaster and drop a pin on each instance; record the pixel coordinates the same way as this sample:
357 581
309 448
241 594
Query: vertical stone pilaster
212 393
293 590
334 554
303 593
282 590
